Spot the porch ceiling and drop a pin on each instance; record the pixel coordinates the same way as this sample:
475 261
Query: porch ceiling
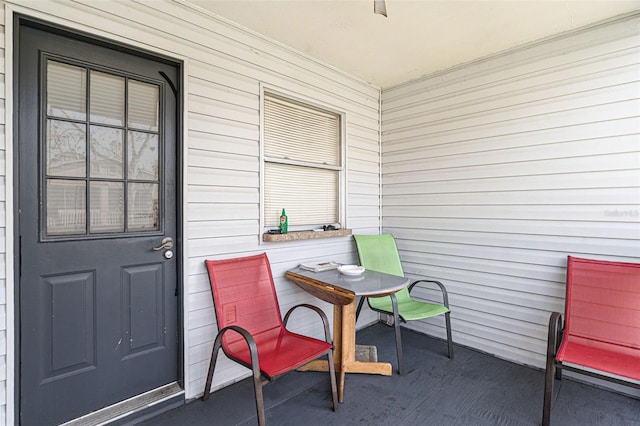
418 37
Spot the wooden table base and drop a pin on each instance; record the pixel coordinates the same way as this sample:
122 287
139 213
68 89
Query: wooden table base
344 354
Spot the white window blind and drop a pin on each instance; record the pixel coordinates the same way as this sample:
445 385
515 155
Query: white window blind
302 163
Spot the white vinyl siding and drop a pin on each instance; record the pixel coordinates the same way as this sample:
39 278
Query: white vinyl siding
495 171
225 67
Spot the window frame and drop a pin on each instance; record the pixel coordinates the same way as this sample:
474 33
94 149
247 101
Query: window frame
43 174
341 168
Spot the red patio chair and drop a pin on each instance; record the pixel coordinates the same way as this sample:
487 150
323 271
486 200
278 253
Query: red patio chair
601 328
252 331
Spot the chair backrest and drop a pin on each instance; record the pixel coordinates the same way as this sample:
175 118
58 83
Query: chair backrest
244 295
380 253
603 301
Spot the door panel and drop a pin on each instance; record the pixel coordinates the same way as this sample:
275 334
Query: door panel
97 192
142 305
68 299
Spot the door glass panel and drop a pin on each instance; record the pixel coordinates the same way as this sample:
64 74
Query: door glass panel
107 207
66 91
144 105
106 148
66 148
66 211
107 99
143 156
143 207
102 144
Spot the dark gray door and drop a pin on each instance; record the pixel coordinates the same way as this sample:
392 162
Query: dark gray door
97 193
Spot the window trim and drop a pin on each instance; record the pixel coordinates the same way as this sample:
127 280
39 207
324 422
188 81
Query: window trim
341 168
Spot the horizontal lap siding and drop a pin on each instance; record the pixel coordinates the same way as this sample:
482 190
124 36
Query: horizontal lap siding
225 66
494 172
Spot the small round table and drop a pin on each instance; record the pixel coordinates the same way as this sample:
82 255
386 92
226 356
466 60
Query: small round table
341 291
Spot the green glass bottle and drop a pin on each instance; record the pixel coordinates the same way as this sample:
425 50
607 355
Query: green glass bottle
284 225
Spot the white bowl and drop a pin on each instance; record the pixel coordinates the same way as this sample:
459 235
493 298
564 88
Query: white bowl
351 269
353 278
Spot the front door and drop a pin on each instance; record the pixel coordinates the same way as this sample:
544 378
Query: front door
96 140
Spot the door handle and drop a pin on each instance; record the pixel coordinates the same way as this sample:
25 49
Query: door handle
166 243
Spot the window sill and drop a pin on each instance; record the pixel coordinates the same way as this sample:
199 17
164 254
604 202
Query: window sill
305 235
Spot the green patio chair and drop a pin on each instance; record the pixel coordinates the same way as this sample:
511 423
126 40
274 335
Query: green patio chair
380 253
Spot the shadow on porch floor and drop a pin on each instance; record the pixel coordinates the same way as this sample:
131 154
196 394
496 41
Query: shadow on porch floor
472 389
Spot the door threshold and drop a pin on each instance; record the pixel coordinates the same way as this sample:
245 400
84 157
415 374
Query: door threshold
136 409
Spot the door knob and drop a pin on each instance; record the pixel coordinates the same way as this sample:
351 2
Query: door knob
166 243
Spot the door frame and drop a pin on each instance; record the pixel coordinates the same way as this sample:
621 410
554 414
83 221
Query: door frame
14 20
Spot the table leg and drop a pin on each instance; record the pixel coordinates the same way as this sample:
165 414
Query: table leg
322 364
347 327
338 336
344 354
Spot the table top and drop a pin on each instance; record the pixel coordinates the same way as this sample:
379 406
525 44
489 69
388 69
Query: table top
344 288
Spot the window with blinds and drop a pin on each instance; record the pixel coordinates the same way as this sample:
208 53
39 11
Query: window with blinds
302 163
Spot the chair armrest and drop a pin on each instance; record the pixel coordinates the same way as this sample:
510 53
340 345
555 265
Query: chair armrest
445 295
253 349
323 316
554 338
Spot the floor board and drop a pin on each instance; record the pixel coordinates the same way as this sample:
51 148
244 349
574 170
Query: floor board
472 389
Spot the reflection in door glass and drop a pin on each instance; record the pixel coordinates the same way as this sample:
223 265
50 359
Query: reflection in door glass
144 105
66 149
143 156
143 207
107 152
66 211
107 207
107 99
66 91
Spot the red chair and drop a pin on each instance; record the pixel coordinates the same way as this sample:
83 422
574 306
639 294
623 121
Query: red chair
602 326
252 331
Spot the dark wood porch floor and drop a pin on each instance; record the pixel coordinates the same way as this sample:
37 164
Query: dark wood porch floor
472 389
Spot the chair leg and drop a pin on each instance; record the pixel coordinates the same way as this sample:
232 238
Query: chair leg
548 391
447 319
332 374
212 366
257 387
360 303
396 323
